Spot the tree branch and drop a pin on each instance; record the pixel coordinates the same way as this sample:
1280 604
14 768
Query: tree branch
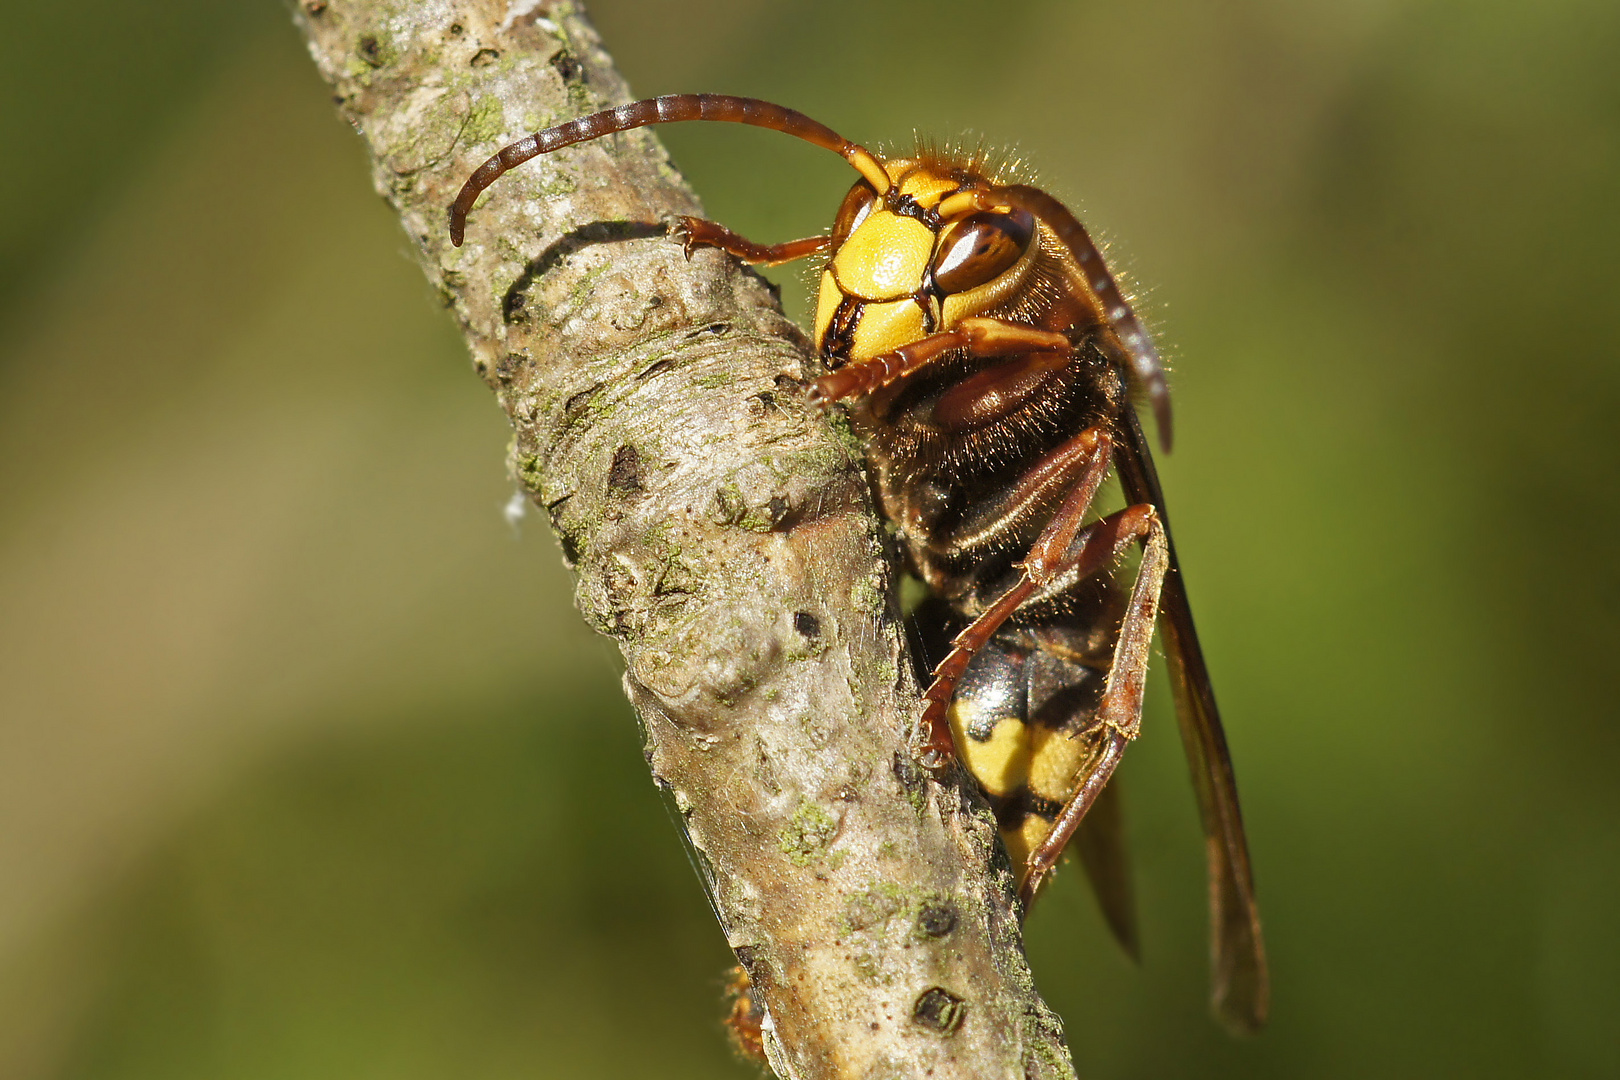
722 533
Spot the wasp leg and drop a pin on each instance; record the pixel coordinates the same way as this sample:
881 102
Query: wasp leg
979 336
1099 546
1119 714
1002 516
1060 551
697 233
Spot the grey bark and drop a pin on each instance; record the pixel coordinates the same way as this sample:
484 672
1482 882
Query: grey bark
722 532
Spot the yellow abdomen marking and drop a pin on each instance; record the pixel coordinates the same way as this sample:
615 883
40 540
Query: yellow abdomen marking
1030 768
1054 761
1000 764
1023 840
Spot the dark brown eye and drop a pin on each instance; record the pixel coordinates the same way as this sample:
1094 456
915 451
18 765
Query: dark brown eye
857 204
981 247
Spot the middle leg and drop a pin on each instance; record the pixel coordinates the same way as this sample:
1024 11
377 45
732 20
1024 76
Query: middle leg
1059 550
979 335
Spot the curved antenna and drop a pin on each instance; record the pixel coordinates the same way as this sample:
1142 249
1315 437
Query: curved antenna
663 110
1144 358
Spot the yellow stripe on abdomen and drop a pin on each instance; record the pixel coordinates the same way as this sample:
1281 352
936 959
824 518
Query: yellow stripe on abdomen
1030 769
1000 763
1054 765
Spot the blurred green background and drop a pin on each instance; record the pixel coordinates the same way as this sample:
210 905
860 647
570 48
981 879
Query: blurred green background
307 769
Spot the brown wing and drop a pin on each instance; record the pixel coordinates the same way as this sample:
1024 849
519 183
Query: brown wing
1242 987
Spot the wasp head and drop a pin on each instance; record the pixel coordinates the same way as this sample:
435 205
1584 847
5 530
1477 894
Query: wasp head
901 268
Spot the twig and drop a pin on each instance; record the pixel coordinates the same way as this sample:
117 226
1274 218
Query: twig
722 533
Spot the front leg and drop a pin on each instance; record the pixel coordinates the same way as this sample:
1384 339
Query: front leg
979 336
697 233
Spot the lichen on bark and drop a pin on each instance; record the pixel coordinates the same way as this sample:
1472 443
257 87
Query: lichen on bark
722 533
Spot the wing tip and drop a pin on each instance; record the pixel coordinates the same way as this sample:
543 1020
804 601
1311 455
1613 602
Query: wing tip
1241 995
1242 1014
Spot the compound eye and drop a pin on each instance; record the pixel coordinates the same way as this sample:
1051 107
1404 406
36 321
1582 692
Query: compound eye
857 204
980 248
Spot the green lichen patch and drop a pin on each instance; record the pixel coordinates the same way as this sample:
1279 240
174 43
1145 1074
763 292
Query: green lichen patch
553 184
805 837
715 380
529 471
580 294
509 249
486 121
838 423
766 517
732 507
869 596
874 905
815 465
913 781
1042 1050
375 52
884 913
925 914
800 647
868 969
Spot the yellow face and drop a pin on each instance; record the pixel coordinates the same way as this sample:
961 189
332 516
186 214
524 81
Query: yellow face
898 272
